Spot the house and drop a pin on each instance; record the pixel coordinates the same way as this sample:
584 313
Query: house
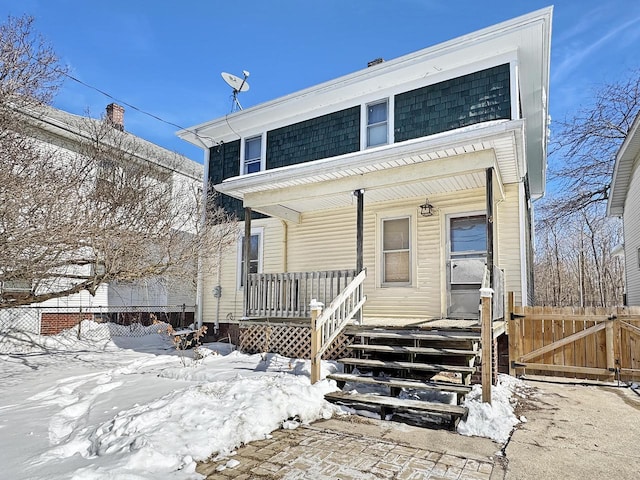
68 135
411 175
623 202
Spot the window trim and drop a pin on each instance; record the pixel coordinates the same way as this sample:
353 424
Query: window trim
243 144
364 122
382 252
259 231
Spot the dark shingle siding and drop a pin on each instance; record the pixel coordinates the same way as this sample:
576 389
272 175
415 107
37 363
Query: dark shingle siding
330 135
458 102
224 162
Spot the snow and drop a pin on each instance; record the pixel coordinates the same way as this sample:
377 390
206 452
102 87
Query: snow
495 420
110 406
123 403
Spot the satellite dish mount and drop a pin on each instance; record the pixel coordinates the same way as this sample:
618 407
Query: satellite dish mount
238 85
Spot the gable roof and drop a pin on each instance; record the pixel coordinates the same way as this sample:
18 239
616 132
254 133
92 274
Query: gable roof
529 36
623 170
69 126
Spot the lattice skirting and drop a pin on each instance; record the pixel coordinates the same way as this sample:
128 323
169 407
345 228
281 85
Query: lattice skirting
292 341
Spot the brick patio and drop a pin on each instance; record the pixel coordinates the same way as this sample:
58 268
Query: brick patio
315 453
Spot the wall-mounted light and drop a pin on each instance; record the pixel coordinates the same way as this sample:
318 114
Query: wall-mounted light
426 209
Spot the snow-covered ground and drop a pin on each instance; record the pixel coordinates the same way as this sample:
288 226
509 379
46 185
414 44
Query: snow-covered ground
113 406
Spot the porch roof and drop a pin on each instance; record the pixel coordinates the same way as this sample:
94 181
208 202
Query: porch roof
445 162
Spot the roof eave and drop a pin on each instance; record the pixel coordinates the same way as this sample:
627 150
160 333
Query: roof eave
623 169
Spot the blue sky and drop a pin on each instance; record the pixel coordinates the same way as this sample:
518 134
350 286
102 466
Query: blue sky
165 56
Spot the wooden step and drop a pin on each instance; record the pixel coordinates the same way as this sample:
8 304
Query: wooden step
393 404
429 367
413 350
436 335
400 383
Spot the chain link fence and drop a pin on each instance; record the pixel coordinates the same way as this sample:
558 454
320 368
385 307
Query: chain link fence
123 320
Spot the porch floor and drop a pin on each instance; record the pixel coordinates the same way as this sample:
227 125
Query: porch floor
420 322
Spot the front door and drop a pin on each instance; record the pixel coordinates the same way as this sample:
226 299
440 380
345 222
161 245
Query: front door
467 257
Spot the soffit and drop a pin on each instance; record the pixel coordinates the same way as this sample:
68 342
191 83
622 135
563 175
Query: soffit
441 163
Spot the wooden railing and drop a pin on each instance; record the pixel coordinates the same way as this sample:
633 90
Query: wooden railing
498 294
288 295
497 304
326 325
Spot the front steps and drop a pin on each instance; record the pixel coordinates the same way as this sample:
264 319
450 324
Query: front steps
403 366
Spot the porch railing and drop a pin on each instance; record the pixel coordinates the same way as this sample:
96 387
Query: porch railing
327 324
498 293
288 295
497 304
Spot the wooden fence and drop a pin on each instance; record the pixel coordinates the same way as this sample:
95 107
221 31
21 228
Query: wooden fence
583 343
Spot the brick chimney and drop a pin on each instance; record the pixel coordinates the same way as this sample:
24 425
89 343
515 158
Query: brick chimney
115 116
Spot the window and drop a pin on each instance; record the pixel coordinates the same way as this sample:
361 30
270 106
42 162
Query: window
255 256
377 131
396 251
252 155
469 234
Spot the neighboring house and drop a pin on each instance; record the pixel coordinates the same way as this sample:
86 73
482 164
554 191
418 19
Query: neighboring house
65 133
420 170
624 202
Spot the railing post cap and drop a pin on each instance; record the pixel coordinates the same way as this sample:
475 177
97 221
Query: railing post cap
316 305
486 292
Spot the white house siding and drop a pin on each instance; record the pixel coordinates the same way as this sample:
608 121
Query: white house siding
509 241
631 225
326 240
231 301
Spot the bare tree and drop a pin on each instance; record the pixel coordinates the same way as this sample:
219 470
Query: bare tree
90 204
574 265
583 147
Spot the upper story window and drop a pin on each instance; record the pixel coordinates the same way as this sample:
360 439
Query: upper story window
377 123
252 160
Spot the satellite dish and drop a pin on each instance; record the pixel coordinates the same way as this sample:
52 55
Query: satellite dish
238 85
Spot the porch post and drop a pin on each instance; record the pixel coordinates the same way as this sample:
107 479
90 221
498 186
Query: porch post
360 230
489 195
246 253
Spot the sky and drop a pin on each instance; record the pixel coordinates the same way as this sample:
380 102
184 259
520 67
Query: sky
163 58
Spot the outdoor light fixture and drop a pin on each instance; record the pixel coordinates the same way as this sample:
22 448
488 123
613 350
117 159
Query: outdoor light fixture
426 209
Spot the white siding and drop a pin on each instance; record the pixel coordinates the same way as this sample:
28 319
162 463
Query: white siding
509 241
631 224
326 240
230 303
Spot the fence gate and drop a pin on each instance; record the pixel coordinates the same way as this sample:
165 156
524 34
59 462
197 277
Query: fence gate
585 343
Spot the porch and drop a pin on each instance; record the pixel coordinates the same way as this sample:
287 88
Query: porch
287 298
369 207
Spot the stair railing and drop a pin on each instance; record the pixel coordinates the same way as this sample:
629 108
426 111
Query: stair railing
328 324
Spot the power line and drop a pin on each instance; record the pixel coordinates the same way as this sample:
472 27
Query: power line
122 102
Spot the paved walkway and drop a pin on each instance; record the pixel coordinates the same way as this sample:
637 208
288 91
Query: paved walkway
327 450
581 432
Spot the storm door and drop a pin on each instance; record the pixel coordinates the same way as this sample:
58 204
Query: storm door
467 256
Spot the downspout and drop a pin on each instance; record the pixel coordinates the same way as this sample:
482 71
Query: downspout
203 219
217 290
